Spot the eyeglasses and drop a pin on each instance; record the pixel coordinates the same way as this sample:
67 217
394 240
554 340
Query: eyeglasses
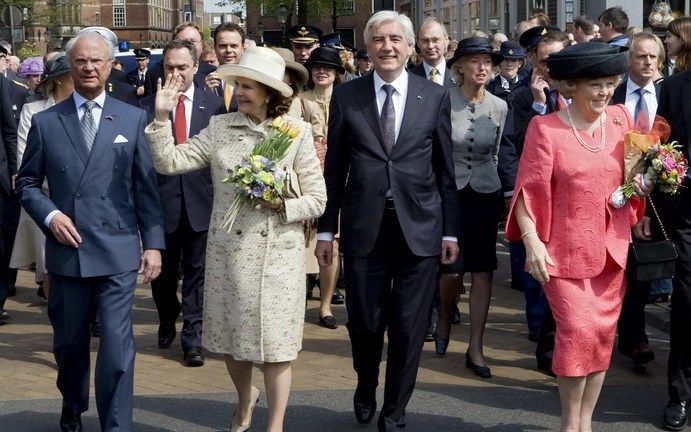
96 63
430 41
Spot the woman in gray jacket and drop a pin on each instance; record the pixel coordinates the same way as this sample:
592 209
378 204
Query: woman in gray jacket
477 122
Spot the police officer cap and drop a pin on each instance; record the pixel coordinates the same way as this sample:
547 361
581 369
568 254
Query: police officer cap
304 34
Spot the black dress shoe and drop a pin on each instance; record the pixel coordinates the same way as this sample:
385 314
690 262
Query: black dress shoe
544 364
328 321
431 333
365 409
337 298
674 417
165 338
70 422
3 314
41 292
481 371
642 354
193 356
441 344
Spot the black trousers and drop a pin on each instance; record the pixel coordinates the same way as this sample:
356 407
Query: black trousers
5 250
391 290
187 248
631 324
679 364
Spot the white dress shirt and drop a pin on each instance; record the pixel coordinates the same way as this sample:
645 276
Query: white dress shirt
81 109
189 97
400 84
441 68
649 97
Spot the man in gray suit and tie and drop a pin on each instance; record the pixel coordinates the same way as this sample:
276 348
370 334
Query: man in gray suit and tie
103 200
389 172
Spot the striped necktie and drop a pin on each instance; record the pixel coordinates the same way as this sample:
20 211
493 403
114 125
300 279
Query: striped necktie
434 75
89 125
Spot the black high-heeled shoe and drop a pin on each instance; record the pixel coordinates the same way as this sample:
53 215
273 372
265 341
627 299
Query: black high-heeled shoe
441 344
481 371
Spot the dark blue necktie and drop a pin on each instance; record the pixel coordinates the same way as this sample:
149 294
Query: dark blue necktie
641 113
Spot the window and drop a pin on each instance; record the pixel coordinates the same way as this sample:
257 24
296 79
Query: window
348 7
347 35
119 16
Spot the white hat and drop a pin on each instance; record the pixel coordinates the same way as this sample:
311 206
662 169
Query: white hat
260 64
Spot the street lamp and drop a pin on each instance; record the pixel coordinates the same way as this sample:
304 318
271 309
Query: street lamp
282 15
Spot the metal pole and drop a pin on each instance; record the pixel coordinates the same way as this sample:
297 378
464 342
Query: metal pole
9 8
334 16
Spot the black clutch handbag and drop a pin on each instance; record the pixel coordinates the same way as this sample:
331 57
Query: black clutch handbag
652 260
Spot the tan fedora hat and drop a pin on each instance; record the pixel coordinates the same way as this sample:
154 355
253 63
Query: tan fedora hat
260 64
291 64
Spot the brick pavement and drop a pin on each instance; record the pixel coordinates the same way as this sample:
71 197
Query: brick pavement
27 369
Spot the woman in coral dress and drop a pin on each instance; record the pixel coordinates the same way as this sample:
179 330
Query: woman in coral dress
576 242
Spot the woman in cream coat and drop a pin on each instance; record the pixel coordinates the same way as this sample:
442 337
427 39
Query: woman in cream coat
254 305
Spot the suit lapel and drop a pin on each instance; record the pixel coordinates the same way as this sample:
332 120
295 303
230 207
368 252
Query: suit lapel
619 96
104 136
412 106
368 101
198 109
70 121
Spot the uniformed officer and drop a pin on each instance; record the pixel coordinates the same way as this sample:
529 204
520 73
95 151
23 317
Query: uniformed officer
137 76
303 40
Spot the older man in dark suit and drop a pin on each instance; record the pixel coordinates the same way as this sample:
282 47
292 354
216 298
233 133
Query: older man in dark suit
675 107
186 200
640 94
389 171
103 200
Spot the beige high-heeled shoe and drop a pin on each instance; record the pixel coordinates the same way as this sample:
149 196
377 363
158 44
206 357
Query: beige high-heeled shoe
236 427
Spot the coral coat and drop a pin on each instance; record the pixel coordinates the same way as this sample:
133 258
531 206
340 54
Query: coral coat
566 189
254 293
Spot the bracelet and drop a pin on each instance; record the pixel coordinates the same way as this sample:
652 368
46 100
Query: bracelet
528 233
160 124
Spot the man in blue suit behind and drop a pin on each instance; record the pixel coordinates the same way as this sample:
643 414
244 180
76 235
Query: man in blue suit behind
103 197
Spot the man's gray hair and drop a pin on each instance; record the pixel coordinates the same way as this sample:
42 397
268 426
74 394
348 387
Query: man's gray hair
110 49
385 16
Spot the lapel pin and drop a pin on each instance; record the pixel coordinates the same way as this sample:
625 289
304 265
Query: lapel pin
110 87
109 118
201 108
419 97
617 120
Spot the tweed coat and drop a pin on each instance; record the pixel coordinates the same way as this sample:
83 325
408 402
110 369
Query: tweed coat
254 294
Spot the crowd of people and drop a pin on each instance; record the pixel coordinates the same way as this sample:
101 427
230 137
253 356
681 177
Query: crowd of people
405 157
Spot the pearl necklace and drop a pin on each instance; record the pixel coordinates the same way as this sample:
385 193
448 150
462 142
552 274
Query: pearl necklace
592 149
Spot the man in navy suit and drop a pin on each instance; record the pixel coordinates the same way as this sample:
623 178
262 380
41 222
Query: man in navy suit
186 200
643 58
389 173
8 168
433 42
103 200
138 75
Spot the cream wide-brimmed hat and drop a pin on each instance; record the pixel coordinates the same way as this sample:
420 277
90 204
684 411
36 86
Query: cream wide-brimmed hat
291 64
260 64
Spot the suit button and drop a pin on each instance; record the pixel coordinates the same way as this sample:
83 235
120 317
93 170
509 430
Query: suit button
238 232
64 169
381 192
471 129
472 120
103 196
104 224
469 167
390 163
77 195
264 233
471 139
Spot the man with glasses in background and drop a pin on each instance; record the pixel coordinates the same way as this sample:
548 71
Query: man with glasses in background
433 42
189 31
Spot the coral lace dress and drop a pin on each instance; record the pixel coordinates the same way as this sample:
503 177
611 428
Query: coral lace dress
566 189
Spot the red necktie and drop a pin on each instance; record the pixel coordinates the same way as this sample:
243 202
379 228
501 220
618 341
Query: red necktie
180 121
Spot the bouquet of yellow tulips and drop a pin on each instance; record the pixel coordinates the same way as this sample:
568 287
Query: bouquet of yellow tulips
258 176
